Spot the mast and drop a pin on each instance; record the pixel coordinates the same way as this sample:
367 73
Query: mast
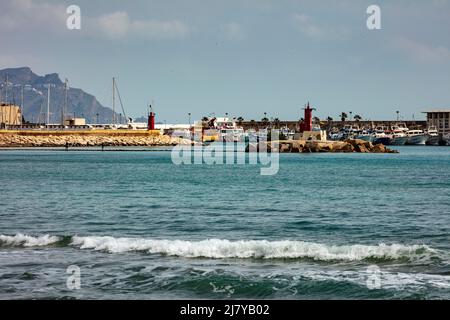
21 97
63 111
6 89
114 101
48 105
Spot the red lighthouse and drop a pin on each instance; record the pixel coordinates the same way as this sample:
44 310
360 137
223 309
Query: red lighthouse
306 125
151 119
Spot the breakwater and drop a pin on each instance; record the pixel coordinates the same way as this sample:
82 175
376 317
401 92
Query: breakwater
87 139
306 146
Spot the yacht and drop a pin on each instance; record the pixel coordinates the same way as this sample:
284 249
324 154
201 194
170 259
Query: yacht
433 136
416 137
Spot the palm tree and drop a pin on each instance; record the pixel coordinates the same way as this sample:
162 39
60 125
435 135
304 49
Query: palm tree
357 117
276 122
343 116
240 120
205 122
329 120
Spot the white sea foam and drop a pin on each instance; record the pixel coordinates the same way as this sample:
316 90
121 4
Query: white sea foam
28 241
215 248
388 280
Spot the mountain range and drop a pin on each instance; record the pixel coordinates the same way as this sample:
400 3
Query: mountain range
34 88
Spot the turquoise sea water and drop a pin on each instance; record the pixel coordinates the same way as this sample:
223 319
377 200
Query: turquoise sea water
343 226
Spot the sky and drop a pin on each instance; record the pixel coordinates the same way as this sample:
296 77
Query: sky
242 57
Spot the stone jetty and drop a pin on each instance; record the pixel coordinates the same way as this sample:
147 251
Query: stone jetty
9 139
306 146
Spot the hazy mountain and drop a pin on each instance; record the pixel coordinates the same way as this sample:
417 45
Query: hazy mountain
80 103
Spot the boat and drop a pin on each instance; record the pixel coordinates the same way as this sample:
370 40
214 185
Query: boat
398 136
446 139
228 130
366 136
398 139
402 126
416 137
380 136
433 136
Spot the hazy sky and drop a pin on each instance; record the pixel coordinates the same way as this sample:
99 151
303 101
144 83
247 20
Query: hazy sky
242 57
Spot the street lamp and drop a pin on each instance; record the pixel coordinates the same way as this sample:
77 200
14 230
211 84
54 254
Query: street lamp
398 112
189 114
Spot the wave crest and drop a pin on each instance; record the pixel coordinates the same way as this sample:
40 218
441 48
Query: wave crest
221 249
259 249
21 240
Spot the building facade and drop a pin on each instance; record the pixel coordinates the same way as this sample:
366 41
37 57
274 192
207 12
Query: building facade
10 115
440 119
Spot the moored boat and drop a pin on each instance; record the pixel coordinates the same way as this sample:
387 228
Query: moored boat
398 139
446 139
416 137
433 136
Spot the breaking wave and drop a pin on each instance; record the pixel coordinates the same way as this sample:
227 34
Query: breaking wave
21 240
220 249
262 249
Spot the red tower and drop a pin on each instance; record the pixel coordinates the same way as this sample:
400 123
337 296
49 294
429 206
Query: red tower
151 119
306 125
308 118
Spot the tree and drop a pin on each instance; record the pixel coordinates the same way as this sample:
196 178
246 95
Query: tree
343 116
357 117
276 122
329 119
240 120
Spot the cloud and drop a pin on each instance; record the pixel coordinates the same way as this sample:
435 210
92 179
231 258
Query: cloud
305 25
233 30
27 15
422 52
114 25
119 25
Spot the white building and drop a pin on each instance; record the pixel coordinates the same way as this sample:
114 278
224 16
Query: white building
440 119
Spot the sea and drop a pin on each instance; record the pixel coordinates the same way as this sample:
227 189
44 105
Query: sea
130 224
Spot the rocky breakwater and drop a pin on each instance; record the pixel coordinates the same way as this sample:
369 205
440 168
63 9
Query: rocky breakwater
75 140
302 146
